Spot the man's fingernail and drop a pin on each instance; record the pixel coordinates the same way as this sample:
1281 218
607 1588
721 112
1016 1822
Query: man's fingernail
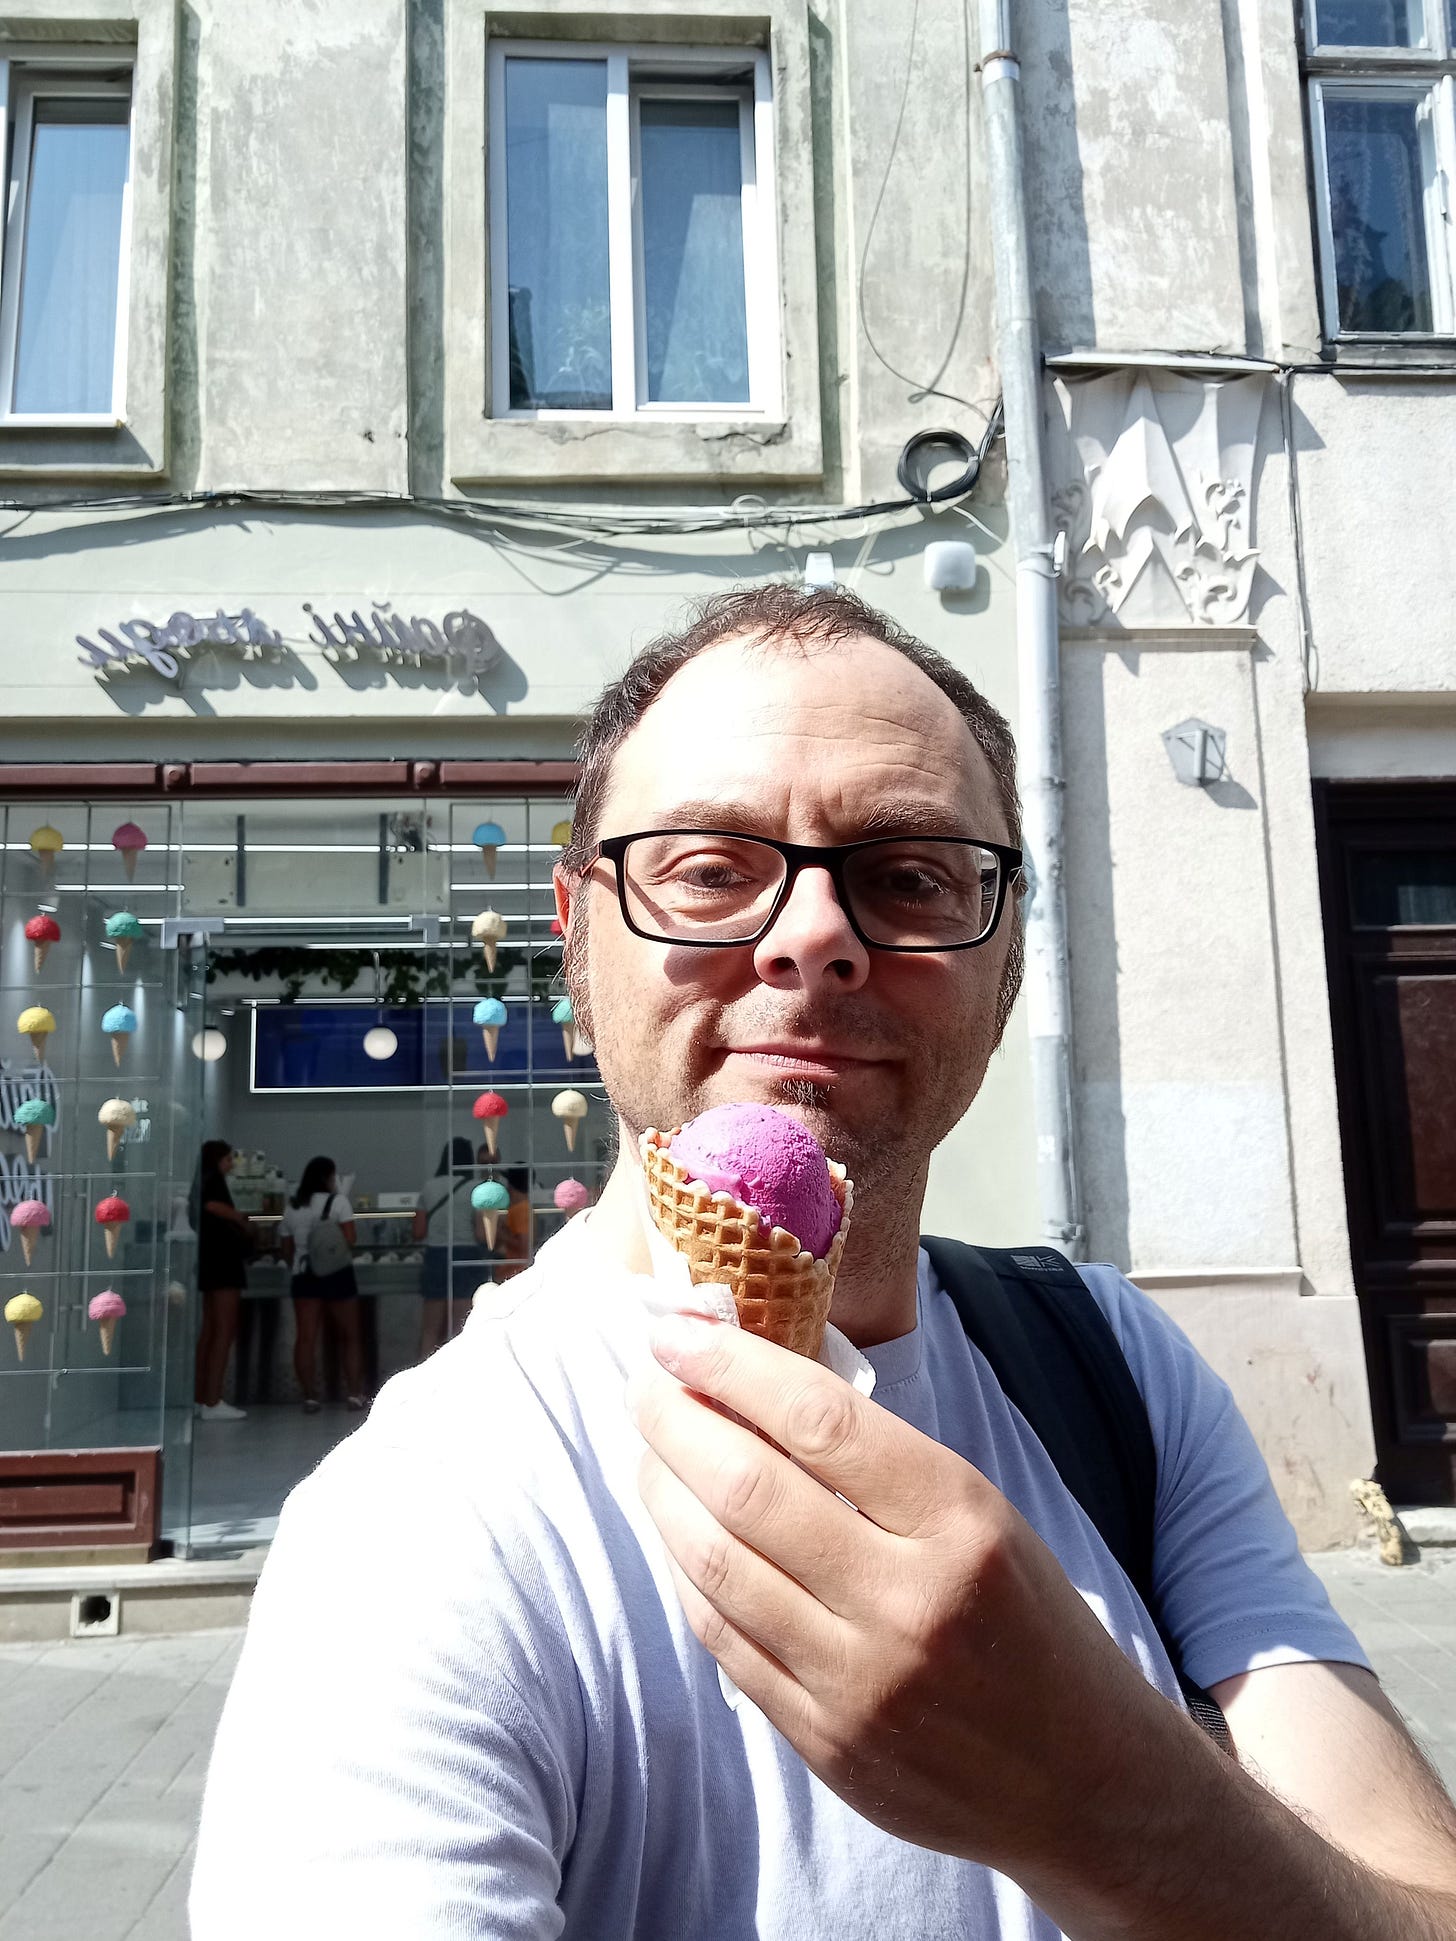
675 1336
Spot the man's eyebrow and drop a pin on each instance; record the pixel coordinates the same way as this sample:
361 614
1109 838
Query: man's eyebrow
906 816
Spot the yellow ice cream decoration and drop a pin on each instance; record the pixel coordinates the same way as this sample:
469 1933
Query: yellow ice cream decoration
37 1024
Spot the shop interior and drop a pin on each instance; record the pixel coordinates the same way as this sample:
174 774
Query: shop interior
377 983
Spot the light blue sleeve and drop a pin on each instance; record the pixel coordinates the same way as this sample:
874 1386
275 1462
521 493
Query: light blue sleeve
402 1749
1234 1593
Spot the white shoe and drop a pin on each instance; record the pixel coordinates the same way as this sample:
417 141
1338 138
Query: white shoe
220 1412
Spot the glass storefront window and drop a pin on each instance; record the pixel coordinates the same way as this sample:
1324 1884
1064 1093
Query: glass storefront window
313 978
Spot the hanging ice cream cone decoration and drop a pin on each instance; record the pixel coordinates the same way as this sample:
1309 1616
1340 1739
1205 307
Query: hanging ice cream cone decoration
487 930
37 1024
128 840
43 931
488 838
490 1200
106 1310
30 1218
122 931
490 1015
117 1116
22 1311
570 1108
32 1116
561 834
112 1215
119 1023
46 844
490 1108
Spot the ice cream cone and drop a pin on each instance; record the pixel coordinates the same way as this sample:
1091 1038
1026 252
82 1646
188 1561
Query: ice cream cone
42 951
37 1041
33 1137
118 1039
488 950
492 1143
114 1137
123 944
490 1221
129 863
22 1331
491 1034
487 856
568 1040
28 1238
780 1292
112 1237
568 1126
107 1329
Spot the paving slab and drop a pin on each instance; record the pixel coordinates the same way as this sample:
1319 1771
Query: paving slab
104 1746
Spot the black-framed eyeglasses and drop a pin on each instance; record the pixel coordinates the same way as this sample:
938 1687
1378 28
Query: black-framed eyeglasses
719 889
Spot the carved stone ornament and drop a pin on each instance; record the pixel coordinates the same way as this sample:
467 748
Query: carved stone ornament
1157 474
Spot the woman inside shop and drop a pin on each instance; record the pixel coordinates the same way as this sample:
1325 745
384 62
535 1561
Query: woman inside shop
316 1237
455 1257
224 1244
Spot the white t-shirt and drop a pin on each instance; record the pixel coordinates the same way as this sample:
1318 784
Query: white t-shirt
300 1221
499 1724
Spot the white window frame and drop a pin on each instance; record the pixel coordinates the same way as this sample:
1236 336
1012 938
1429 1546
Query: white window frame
1424 75
21 82
631 73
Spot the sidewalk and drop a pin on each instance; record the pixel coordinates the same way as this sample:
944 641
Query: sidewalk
104 1745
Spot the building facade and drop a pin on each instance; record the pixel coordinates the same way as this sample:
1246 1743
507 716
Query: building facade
377 378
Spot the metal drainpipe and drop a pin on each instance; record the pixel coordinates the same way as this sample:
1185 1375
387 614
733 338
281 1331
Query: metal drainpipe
1043 783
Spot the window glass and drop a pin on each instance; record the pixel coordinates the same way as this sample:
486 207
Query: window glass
1377 182
1393 887
66 336
692 252
556 234
1370 23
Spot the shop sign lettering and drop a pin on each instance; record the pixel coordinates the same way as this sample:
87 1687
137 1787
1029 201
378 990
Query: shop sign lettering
159 646
461 640
462 637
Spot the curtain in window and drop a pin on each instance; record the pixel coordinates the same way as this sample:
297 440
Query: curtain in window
66 340
556 234
1377 214
1369 23
692 252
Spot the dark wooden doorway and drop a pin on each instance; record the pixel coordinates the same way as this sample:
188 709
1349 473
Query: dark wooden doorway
1388 881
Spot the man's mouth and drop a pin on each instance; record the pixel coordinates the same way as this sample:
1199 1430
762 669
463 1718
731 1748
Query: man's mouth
819 1064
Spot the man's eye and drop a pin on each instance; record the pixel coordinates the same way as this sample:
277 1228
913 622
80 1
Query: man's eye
911 885
708 876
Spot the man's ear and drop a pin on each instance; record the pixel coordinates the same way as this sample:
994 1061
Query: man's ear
563 888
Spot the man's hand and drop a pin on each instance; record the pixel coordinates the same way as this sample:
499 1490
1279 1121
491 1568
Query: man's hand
923 1651
928 1658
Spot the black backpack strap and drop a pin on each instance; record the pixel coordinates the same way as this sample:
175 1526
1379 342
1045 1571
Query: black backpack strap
1056 1357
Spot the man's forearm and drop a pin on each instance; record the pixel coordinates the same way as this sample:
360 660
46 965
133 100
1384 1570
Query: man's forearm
1194 1849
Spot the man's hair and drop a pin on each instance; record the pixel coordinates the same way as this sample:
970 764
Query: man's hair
779 613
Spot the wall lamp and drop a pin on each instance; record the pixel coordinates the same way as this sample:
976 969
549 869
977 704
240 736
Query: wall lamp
1197 753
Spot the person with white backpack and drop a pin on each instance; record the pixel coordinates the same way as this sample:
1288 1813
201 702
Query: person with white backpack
317 1236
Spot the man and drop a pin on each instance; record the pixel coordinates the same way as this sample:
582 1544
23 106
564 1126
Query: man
480 1696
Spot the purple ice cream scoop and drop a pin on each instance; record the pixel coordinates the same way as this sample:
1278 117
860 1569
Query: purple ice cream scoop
766 1160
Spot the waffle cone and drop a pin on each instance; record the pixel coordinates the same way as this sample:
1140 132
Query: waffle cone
38 1044
33 1137
123 953
129 863
488 952
114 1137
22 1332
107 1331
111 1239
487 856
491 1034
781 1292
42 951
28 1238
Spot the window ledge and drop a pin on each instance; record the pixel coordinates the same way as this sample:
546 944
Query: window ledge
538 450
1390 356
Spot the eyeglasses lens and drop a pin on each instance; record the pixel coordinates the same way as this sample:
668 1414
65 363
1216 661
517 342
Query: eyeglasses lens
690 887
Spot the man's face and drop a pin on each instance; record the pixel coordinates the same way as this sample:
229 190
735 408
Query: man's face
876 1052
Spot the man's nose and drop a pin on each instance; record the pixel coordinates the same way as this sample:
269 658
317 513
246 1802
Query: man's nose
810 943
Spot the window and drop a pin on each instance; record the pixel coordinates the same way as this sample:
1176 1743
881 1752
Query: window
1382 81
633 258
63 274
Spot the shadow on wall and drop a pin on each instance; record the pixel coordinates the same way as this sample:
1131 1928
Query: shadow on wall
1061 262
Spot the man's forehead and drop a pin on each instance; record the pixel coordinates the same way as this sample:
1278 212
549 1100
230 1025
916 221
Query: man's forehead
852 729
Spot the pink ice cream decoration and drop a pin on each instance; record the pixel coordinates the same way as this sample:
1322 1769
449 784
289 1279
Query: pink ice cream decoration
571 1196
768 1161
107 1306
